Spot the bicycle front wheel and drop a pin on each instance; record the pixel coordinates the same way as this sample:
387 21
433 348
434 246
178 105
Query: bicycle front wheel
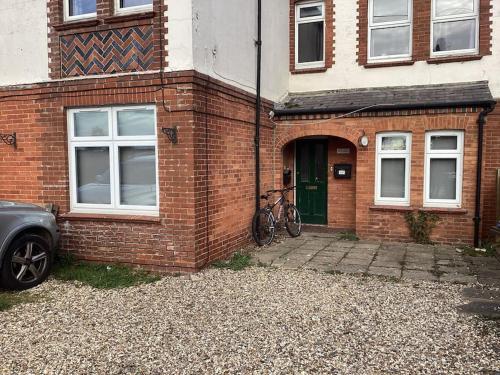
293 223
263 229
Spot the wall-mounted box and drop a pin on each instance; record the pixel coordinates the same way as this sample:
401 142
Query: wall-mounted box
342 171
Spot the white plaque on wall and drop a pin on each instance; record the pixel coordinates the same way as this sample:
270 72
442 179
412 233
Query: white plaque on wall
346 150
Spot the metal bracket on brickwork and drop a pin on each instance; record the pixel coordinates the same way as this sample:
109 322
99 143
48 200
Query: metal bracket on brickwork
171 134
9 139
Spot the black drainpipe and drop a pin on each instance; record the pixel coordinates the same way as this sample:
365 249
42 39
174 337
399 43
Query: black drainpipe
257 105
481 120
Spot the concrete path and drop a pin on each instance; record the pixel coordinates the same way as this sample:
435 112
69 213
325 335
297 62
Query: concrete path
324 252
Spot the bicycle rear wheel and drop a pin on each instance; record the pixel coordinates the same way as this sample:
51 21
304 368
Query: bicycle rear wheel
293 223
263 229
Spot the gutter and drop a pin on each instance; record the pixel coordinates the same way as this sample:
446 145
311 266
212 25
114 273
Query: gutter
258 43
481 121
381 107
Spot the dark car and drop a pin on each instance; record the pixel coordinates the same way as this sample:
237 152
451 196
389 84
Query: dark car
28 239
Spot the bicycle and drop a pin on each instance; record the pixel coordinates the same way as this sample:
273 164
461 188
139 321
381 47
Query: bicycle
264 222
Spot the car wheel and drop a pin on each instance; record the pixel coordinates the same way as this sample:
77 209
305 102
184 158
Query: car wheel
26 263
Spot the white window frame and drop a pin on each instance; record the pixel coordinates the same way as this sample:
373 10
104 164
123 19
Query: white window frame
113 141
461 17
139 8
67 17
457 154
392 154
387 25
299 21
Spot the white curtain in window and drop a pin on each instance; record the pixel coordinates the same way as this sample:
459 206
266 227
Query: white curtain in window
138 176
443 179
392 178
92 166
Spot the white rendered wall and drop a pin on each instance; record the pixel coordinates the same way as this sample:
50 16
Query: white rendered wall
224 34
23 41
346 73
180 35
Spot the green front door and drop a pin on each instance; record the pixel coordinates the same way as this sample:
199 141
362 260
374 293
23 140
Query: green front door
311 180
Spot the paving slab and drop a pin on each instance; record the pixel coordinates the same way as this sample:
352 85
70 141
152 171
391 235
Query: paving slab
419 275
355 261
486 309
384 271
384 263
458 278
347 268
419 266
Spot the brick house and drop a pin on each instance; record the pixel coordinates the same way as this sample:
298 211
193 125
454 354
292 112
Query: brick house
137 118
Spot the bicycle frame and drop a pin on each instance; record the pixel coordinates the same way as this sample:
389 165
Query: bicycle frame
281 202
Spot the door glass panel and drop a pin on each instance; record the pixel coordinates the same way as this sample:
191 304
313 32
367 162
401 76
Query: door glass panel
390 10
443 179
138 176
454 36
393 143
91 124
319 162
136 122
390 41
454 7
444 142
392 178
310 42
92 175
313 11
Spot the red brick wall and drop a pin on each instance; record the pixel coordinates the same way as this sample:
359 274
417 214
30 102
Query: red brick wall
421 32
177 240
388 223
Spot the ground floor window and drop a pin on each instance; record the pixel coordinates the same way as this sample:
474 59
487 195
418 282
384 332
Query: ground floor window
113 160
393 169
443 168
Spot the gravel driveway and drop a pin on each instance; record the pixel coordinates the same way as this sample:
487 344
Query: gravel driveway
259 320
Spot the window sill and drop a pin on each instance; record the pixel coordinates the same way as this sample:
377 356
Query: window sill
309 70
450 59
139 219
123 17
443 210
76 24
387 64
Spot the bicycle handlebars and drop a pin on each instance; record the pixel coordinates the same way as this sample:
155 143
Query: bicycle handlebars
268 192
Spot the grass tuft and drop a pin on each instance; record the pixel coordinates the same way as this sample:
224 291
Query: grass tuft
471 251
11 299
237 262
100 276
347 236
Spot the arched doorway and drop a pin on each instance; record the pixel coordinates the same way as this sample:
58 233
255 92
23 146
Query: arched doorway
323 169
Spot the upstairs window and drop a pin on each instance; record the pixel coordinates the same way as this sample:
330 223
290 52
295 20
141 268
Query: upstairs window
77 9
455 27
133 5
393 169
389 29
310 35
443 168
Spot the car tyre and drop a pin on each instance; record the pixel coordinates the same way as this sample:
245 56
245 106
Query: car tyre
26 263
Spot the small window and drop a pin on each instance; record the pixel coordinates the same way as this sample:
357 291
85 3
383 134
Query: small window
309 35
113 160
455 27
389 29
443 169
133 5
77 9
393 169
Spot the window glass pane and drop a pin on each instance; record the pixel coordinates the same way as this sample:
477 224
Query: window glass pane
92 175
134 3
138 176
392 179
443 179
391 41
443 142
454 7
310 42
136 122
455 35
79 7
390 10
394 143
91 124
314 11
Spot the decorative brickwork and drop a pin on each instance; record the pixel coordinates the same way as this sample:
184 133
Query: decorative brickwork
111 51
329 37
